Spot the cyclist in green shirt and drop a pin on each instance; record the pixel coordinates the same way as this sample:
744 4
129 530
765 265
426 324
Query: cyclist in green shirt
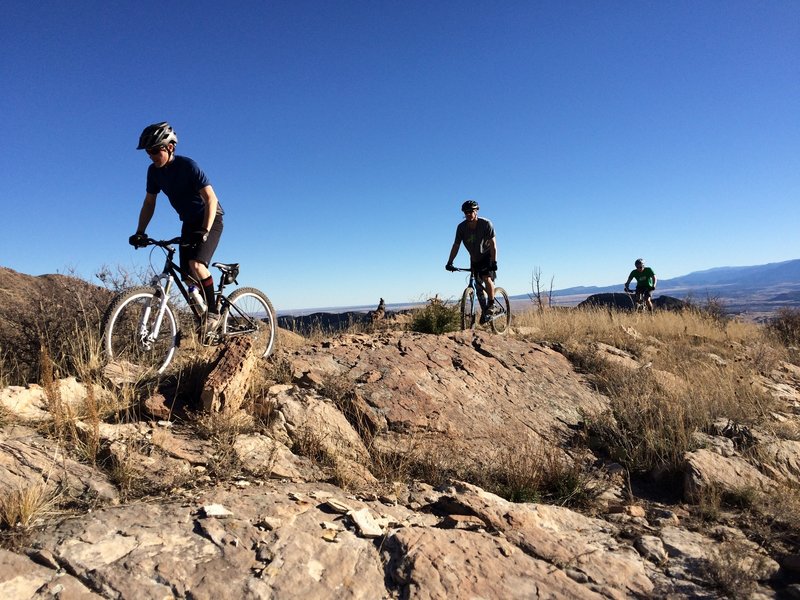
645 282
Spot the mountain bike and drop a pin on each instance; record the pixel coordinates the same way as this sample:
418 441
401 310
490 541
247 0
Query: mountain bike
638 304
141 328
499 321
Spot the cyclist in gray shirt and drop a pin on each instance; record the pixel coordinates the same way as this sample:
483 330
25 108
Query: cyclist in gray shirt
477 235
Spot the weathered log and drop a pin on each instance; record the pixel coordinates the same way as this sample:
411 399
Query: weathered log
226 384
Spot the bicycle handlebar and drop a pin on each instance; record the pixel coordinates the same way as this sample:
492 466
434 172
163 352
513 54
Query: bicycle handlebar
160 243
460 269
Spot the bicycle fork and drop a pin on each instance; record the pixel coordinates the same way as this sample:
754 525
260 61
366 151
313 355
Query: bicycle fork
148 335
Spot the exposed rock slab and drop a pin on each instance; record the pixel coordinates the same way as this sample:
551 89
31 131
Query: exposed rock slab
435 563
27 459
23 579
584 548
706 469
479 388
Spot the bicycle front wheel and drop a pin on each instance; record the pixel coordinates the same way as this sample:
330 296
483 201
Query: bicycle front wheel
501 321
468 309
251 313
136 341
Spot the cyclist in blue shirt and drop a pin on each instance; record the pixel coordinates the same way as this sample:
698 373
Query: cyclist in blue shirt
191 195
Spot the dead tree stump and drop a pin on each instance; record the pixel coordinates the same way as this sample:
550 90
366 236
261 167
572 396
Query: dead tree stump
226 384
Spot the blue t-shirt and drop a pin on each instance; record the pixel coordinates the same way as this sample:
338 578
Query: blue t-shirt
181 180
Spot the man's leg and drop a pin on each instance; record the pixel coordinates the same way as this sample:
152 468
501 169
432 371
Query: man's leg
488 283
649 300
203 275
200 257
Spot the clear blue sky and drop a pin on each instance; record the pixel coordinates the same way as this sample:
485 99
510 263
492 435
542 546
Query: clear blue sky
342 136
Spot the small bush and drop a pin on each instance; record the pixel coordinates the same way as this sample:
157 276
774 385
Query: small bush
785 325
436 317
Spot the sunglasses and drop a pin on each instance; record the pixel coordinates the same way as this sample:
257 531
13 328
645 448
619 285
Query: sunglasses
155 150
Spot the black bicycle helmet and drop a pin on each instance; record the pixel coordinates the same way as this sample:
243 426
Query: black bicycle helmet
469 205
157 134
639 263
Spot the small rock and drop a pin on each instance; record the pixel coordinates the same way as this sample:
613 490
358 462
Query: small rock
651 548
320 495
329 535
338 506
635 511
365 523
663 516
468 522
269 523
217 511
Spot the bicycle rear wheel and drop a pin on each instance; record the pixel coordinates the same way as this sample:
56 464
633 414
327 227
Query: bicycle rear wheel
251 313
468 309
501 322
132 340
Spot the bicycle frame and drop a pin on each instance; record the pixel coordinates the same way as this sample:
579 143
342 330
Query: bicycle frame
476 284
639 304
171 275
479 289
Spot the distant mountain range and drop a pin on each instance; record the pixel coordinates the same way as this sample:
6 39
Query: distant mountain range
758 289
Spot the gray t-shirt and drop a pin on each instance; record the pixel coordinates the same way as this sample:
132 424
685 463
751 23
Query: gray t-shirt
476 241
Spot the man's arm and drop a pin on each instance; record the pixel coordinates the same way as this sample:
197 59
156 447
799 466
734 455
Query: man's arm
453 252
492 245
207 193
148 208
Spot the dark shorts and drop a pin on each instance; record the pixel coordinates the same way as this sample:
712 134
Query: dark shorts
645 292
481 268
204 251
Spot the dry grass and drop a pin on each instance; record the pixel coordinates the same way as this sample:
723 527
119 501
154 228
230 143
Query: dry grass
24 505
692 369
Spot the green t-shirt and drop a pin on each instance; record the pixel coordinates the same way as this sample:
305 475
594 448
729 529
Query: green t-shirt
644 278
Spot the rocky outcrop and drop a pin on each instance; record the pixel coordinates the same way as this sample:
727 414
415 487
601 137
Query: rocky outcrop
471 390
622 301
271 542
298 509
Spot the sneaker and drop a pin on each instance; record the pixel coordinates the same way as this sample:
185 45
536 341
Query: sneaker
212 324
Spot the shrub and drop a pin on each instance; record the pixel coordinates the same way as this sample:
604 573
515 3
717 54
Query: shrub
785 325
52 311
436 317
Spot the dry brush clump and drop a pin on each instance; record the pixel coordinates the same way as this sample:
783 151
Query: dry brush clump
24 505
50 312
686 370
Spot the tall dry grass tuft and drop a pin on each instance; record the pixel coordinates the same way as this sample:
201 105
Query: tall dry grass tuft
22 506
